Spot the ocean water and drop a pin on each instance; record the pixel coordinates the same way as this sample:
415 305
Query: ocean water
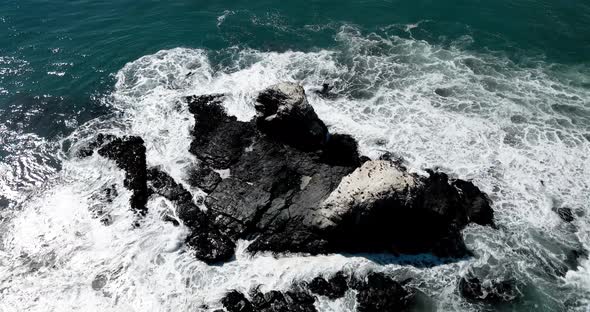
497 92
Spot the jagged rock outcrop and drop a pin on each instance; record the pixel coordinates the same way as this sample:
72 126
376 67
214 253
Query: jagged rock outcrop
282 111
375 292
129 154
272 301
294 187
209 244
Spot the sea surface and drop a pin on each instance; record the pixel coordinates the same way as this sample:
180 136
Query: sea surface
497 92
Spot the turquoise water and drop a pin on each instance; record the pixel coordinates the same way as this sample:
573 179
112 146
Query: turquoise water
69 48
497 92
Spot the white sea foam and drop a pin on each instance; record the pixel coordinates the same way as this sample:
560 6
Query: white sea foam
505 127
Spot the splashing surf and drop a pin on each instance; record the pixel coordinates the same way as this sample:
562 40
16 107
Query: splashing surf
520 133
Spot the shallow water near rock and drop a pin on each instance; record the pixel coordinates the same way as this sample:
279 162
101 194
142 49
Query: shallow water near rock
509 112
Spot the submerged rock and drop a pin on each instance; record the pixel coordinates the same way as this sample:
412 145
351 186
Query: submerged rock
293 187
488 291
88 149
443 92
565 214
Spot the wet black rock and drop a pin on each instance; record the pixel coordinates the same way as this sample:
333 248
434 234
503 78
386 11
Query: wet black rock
488 291
4 202
235 301
379 292
265 177
208 243
204 178
293 187
443 92
99 282
284 113
220 140
382 207
574 257
565 214
341 150
272 301
333 288
162 184
276 301
129 154
376 292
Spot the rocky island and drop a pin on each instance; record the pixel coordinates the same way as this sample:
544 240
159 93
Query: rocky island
291 186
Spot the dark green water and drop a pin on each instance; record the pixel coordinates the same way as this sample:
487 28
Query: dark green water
69 48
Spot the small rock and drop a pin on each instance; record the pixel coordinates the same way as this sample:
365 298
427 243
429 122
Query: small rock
282 112
235 301
565 214
333 288
99 282
444 92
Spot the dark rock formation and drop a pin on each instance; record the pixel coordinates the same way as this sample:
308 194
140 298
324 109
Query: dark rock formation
444 92
293 187
333 288
129 154
204 178
376 292
284 113
379 292
4 202
209 244
565 214
574 258
488 291
220 140
235 301
272 301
